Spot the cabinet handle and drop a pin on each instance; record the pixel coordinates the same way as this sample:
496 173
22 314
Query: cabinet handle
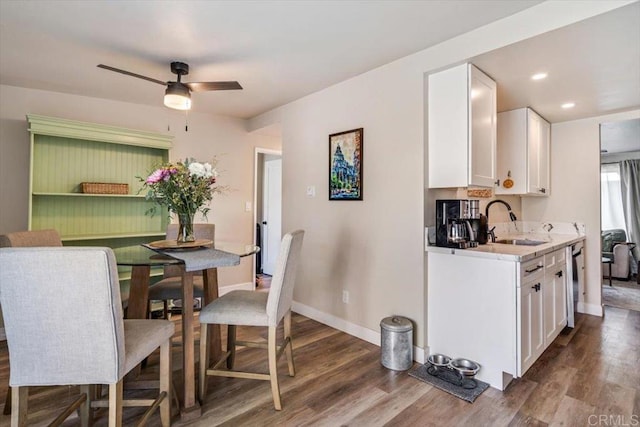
559 274
535 269
536 287
543 190
497 183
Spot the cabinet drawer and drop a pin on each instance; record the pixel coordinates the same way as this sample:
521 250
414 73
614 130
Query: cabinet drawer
532 268
554 259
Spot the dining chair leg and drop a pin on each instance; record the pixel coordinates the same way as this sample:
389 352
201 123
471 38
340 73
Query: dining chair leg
289 343
204 361
7 403
19 406
165 309
115 404
231 345
165 383
273 367
85 409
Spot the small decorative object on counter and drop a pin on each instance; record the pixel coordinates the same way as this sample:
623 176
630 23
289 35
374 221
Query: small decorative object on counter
397 343
185 188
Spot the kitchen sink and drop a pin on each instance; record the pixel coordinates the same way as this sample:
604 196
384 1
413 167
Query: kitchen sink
521 242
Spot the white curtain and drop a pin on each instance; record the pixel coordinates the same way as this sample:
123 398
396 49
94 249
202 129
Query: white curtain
611 200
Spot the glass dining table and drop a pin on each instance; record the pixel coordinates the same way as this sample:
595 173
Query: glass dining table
141 260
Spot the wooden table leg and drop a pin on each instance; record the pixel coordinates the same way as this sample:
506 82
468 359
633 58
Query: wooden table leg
138 292
138 301
210 279
191 407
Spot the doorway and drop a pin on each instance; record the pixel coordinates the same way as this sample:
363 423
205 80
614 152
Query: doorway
620 151
268 212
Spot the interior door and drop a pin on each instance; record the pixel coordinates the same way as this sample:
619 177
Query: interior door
272 214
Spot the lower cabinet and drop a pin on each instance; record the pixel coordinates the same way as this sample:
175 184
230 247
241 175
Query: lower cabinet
532 337
500 313
542 305
555 295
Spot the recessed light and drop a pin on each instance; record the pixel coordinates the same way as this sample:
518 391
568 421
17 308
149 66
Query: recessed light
539 76
567 105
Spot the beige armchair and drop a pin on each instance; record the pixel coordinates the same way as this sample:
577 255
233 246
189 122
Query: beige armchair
22 239
616 248
252 308
91 345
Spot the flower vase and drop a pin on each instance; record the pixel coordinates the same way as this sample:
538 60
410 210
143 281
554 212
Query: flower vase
185 228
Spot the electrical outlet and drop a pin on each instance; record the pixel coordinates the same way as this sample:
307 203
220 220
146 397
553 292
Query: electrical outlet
345 297
247 206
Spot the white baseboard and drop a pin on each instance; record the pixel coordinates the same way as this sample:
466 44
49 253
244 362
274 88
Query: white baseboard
247 286
357 331
592 309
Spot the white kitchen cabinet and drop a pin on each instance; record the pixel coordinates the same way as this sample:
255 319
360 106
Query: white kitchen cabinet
523 153
554 295
530 314
471 313
462 130
490 306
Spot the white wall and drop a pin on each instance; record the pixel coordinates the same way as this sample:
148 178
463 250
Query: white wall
575 192
374 248
208 136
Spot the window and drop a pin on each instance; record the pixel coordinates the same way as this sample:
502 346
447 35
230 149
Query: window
611 197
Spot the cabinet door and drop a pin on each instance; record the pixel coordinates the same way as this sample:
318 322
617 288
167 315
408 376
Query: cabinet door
555 304
448 132
531 324
543 157
560 286
538 134
549 303
482 129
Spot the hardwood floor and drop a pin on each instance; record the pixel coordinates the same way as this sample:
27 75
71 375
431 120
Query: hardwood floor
589 373
623 294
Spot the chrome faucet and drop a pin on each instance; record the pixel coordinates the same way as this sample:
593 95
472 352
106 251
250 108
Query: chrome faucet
512 216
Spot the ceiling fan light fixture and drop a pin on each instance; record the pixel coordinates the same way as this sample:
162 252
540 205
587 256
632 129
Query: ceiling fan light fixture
177 96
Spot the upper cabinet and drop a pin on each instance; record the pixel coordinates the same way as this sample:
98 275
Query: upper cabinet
523 153
462 128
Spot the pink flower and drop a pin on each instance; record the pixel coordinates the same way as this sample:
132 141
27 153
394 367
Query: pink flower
157 176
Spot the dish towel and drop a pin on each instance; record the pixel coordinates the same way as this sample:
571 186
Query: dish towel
201 259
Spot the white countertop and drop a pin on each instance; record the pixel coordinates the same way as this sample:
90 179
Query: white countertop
516 253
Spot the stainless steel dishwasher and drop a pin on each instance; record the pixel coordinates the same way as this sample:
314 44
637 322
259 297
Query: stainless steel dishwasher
575 279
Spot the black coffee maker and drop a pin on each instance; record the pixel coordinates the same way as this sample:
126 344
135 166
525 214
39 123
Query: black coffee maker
459 224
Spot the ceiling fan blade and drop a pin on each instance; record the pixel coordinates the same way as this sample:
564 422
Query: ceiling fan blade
129 73
203 86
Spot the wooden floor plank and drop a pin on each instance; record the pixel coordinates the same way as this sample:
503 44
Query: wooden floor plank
591 370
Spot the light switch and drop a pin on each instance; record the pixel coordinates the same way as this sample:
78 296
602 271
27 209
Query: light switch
311 191
247 206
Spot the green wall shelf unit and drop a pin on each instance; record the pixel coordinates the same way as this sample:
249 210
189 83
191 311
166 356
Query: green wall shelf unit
65 153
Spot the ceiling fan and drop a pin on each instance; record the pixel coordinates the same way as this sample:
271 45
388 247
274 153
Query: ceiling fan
178 93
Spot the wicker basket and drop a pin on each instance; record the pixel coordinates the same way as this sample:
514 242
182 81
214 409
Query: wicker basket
104 188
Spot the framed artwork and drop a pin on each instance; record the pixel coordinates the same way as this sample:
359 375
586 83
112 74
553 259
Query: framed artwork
345 165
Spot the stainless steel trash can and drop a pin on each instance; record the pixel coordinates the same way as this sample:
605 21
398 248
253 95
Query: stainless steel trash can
397 343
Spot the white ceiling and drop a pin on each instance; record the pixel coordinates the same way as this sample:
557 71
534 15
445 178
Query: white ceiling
279 51
282 50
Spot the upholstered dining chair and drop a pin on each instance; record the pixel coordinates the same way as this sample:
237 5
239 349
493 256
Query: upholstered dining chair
170 287
19 239
64 326
252 308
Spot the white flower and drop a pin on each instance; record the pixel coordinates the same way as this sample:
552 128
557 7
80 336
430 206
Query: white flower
197 169
202 170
